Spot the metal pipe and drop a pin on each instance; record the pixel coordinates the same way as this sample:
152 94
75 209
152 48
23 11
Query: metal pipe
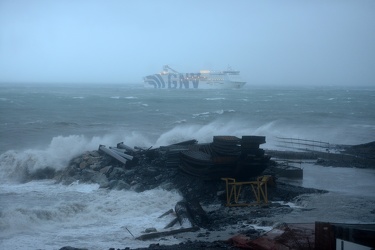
126 156
117 149
112 153
122 145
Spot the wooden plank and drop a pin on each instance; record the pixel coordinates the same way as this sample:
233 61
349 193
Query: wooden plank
166 233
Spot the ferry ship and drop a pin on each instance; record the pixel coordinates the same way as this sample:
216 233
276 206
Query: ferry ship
204 79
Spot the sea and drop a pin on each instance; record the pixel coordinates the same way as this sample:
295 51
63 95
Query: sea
46 125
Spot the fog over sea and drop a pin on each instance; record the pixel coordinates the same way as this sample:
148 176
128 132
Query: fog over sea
47 125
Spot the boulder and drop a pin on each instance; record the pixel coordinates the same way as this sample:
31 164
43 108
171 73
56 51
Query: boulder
92 176
118 185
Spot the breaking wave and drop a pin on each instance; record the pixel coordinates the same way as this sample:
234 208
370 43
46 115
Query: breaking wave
215 99
20 165
216 112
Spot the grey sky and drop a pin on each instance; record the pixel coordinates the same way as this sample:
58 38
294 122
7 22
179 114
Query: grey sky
270 42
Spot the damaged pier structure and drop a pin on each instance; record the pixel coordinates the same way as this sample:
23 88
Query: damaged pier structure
226 156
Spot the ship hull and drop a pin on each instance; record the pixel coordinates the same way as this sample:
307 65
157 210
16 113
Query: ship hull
228 79
200 85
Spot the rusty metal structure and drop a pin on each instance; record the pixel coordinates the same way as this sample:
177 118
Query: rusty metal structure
233 190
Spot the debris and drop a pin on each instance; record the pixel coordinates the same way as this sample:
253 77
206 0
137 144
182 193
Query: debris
172 223
127 148
167 233
112 153
129 232
166 213
183 215
226 156
121 153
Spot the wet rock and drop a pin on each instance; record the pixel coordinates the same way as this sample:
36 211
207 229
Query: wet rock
150 171
83 165
137 188
92 176
76 161
72 248
105 170
117 173
159 177
91 160
94 153
71 170
167 186
118 185
129 173
96 166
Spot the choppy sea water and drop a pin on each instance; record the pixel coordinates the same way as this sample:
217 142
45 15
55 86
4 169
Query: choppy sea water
350 197
47 125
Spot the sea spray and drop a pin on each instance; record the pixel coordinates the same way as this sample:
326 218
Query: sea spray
204 133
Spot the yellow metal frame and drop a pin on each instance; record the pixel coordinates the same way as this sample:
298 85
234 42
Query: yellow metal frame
259 188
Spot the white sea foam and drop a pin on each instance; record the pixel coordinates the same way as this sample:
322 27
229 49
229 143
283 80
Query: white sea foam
217 112
80 215
290 204
180 121
215 99
201 114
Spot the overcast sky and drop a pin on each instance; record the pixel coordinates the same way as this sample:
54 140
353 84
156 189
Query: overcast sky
270 42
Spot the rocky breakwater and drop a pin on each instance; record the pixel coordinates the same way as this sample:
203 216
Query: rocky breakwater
143 172
149 168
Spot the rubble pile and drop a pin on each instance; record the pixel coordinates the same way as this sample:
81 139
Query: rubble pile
147 170
143 169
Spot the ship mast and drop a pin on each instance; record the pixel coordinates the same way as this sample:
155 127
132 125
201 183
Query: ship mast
166 68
